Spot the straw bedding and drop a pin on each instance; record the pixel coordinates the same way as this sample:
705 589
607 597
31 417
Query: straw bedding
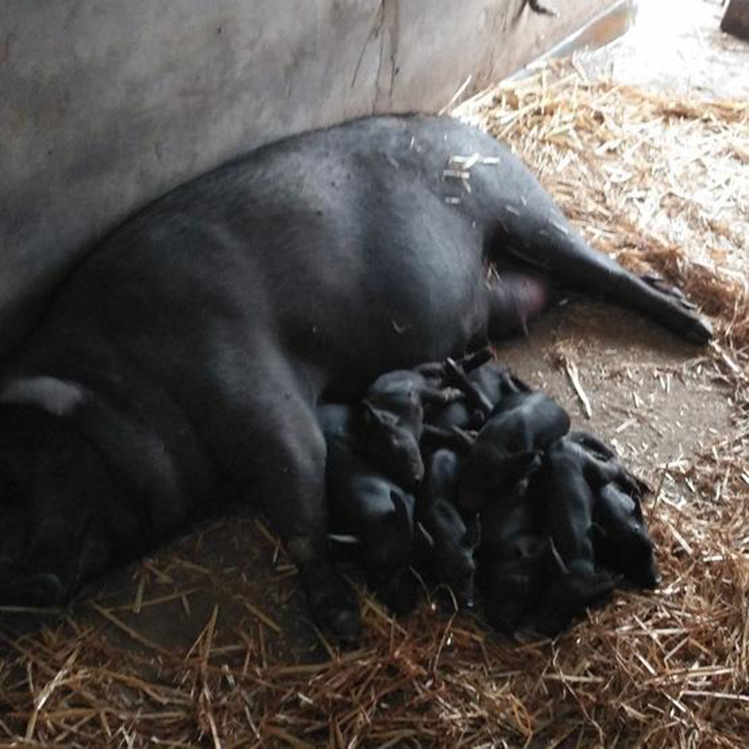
660 184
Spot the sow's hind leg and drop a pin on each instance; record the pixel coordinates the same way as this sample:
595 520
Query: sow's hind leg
533 229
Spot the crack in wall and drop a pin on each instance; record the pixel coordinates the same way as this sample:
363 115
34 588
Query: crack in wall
386 20
390 13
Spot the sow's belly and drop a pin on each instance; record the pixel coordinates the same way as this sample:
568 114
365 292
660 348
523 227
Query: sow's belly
355 325
397 288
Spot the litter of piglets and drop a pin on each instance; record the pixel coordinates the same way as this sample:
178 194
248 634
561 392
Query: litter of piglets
471 477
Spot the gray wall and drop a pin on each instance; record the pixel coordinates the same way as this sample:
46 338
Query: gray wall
104 104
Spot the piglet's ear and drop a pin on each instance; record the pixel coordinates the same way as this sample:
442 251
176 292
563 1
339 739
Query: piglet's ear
374 415
404 518
473 531
57 397
369 412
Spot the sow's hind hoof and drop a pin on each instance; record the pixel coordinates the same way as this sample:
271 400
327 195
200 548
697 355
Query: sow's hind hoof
693 327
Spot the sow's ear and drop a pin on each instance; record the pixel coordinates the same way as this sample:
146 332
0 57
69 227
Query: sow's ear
57 397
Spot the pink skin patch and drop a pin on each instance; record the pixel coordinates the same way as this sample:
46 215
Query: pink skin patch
516 299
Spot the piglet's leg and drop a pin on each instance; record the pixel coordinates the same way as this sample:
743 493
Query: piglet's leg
440 396
475 397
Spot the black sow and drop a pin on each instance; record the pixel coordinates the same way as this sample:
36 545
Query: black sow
183 360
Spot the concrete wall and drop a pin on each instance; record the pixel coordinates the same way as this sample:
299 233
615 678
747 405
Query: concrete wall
104 104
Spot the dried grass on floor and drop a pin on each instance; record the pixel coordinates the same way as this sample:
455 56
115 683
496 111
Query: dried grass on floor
658 183
653 182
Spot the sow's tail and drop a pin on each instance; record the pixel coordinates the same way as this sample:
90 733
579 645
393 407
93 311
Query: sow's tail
533 229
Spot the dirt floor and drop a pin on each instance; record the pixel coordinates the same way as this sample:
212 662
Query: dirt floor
175 634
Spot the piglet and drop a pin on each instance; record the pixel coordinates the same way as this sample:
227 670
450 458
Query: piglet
365 503
569 597
515 565
508 446
451 537
601 465
483 389
620 537
563 503
393 419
